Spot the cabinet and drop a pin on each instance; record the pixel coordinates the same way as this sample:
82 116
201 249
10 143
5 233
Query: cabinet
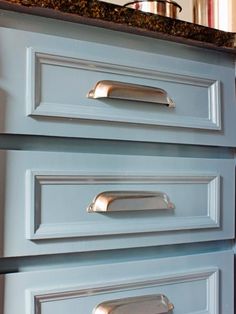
113 199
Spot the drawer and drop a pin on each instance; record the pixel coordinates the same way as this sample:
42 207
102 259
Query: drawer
193 284
134 201
45 81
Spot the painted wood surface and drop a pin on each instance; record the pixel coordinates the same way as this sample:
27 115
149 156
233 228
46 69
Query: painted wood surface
52 192
45 80
47 67
195 284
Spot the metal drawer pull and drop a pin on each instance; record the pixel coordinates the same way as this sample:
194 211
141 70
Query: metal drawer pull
113 201
152 304
128 91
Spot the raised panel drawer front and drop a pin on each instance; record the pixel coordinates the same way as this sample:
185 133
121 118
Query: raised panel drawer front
50 203
195 284
45 82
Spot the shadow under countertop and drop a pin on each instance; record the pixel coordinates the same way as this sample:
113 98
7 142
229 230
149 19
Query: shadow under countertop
107 15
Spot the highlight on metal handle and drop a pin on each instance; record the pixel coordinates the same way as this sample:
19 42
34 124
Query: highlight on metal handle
128 91
151 304
113 201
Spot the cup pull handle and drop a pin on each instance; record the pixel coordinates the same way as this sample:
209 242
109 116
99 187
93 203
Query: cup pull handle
128 91
113 201
152 304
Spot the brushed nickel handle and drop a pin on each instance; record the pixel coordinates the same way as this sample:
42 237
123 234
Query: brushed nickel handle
128 91
152 304
113 201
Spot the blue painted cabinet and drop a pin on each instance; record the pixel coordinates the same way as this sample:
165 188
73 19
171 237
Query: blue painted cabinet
120 198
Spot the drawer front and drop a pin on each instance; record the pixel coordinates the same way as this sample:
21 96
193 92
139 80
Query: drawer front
193 284
46 79
133 200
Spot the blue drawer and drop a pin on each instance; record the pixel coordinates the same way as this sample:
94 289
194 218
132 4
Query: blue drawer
46 79
200 283
52 200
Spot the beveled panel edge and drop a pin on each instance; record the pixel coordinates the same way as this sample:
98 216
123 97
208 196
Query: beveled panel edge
36 297
35 230
36 108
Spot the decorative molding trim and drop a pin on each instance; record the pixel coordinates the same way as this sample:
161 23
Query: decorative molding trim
36 107
36 230
36 298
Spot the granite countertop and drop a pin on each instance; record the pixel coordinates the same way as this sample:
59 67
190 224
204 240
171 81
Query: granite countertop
106 15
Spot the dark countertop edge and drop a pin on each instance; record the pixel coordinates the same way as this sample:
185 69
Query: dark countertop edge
74 18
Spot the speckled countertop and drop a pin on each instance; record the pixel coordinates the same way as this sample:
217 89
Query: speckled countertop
106 15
